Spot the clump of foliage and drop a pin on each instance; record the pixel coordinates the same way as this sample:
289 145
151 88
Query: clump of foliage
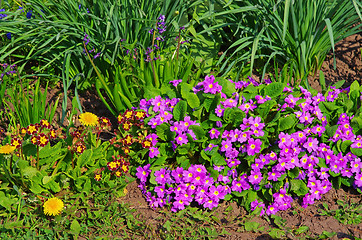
258 144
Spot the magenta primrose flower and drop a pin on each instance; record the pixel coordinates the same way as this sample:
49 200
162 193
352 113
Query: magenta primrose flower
253 146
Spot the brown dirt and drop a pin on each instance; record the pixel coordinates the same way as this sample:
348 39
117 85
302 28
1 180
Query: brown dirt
348 53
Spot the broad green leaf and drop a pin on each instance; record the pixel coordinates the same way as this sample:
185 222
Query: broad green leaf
264 109
198 131
84 158
75 227
286 122
163 131
357 151
227 87
48 151
179 110
331 106
274 89
218 160
345 145
251 226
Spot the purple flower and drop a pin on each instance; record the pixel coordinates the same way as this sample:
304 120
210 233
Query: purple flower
226 145
274 175
210 86
210 147
219 111
255 177
143 172
160 190
153 152
218 168
177 174
214 133
175 82
210 203
272 209
181 139
356 166
311 144
162 176
253 146
218 124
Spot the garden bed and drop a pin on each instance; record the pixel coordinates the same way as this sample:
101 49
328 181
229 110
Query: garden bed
349 68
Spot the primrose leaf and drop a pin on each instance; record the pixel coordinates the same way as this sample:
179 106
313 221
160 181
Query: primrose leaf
198 131
357 151
189 96
227 87
218 160
274 89
179 111
286 123
163 131
265 108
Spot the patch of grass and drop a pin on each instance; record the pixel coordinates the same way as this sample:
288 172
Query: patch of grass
347 213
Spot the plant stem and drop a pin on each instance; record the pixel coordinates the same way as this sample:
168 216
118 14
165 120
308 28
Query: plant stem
37 157
60 161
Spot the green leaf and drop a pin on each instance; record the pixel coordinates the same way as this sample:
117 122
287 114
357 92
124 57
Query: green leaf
198 131
326 235
160 161
330 131
84 158
75 227
218 160
179 111
286 123
298 187
6 202
54 186
357 151
29 172
276 233
345 145
36 188
274 89
301 230
189 96
48 151
47 179
293 173
265 108
339 84
163 131
330 106
227 87
251 226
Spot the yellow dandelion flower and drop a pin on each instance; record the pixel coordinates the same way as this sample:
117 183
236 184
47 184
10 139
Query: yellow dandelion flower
88 119
6 149
53 206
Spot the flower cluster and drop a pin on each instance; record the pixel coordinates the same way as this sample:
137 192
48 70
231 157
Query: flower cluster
8 70
182 187
157 35
86 40
296 154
